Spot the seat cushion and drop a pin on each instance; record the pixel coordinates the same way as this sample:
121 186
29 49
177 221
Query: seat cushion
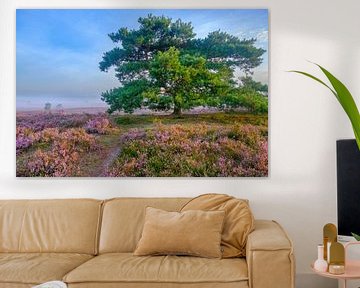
35 268
242 284
129 269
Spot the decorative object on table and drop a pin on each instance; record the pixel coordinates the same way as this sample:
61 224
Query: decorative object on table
344 97
350 270
52 284
189 96
337 258
320 264
329 236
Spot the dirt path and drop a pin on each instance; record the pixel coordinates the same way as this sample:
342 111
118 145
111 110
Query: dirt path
96 163
113 153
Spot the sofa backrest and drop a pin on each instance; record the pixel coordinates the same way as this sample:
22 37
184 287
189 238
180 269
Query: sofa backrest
67 226
123 220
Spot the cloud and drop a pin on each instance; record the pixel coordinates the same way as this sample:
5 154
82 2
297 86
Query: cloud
58 53
60 72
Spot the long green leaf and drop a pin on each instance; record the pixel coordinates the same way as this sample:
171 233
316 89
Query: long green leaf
344 97
316 79
347 102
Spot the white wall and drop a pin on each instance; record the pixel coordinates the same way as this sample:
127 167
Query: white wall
305 120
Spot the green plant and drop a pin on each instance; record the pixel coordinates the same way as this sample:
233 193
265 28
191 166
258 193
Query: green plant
162 66
344 97
356 236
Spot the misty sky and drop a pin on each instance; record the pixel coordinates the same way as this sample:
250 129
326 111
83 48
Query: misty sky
58 51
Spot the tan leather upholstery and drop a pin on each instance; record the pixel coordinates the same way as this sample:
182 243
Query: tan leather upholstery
68 226
123 218
193 233
36 268
242 284
269 255
73 226
239 220
126 268
15 285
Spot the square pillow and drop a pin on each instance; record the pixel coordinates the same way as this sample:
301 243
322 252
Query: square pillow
193 232
238 222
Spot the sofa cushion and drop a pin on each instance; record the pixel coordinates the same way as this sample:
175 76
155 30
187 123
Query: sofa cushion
193 232
238 223
126 268
123 220
63 226
36 268
237 284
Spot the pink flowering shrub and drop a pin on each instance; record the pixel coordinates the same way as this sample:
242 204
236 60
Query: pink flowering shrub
25 137
62 159
41 121
99 125
45 127
193 150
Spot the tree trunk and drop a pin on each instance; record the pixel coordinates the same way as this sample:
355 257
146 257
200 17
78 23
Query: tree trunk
177 110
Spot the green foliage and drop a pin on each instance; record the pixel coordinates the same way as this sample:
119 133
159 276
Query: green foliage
185 80
344 97
249 83
162 66
356 236
127 98
222 49
156 33
130 121
254 101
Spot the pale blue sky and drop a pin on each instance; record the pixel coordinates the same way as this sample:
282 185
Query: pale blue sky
58 51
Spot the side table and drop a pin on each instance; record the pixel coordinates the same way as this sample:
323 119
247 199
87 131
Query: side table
352 268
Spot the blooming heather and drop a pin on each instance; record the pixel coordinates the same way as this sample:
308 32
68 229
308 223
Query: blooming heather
193 150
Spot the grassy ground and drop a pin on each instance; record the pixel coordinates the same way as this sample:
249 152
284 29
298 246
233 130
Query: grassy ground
109 151
145 121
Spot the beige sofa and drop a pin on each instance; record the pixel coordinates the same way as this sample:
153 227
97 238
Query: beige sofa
89 243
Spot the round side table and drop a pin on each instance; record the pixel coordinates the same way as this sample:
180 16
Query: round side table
352 269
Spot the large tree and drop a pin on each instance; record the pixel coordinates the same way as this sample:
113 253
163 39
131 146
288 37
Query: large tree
162 66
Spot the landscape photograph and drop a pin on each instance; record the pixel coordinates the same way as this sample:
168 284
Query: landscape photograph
142 93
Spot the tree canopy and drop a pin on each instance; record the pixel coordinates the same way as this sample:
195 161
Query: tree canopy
162 66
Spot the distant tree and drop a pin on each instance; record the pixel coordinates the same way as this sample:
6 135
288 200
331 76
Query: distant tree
47 107
249 83
59 107
252 100
162 66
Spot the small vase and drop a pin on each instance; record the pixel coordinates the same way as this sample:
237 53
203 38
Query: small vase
320 264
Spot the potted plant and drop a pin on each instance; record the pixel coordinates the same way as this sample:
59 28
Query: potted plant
344 97
348 183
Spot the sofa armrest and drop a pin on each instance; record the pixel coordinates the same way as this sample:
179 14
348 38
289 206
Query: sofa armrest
269 256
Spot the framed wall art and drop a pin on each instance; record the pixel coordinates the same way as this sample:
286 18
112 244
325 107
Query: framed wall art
142 93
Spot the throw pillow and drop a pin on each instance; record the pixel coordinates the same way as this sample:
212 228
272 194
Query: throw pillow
196 233
238 224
